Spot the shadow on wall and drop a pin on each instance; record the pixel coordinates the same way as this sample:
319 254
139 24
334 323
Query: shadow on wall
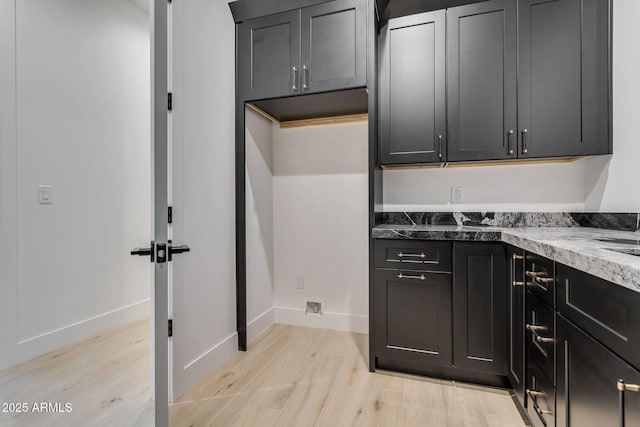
321 150
259 186
596 177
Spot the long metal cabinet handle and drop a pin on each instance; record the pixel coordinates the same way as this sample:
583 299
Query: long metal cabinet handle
525 133
305 82
622 387
509 148
295 78
404 276
544 339
537 276
516 256
420 255
440 145
534 328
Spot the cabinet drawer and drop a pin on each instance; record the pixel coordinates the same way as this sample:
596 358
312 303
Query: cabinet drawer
540 277
541 398
540 335
606 311
414 255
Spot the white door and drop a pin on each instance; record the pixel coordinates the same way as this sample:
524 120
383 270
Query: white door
202 190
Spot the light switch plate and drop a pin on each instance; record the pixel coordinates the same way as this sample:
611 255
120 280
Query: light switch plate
45 194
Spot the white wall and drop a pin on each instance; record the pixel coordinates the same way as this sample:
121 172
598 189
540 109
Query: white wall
544 187
203 137
259 186
82 126
320 224
611 181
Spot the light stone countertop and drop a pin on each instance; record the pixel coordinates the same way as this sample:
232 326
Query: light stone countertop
578 247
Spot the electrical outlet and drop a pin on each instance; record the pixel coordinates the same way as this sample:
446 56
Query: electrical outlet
456 194
314 306
299 282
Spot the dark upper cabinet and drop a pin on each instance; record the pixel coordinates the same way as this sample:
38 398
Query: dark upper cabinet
333 46
413 316
586 393
563 78
314 49
269 56
412 89
481 81
480 307
515 321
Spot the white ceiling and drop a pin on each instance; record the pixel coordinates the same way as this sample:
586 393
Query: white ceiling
143 4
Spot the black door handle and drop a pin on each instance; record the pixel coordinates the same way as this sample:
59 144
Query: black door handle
180 249
144 252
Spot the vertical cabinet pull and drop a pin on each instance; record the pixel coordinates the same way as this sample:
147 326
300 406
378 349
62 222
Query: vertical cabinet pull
525 133
295 79
440 145
622 387
305 83
509 148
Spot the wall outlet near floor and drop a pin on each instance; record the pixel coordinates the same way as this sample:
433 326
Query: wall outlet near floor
456 194
314 306
299 282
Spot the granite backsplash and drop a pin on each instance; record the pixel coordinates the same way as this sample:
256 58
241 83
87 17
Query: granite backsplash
611 221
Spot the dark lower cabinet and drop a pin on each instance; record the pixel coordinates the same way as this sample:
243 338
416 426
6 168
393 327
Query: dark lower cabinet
586 393
413 316
515 321
480 307
563 77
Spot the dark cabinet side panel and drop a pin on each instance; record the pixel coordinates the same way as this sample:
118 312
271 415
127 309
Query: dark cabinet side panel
413 316
563 77
480 307
268 52
516 297
481 81
586 385
333 51
412 90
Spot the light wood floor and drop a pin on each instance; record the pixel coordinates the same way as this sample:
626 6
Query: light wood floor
294 376
291 376
106 378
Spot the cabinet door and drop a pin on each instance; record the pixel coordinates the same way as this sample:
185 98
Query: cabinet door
481 81
480 307
412 90
586 390
269 56
516 295
563 80
413 316
334 46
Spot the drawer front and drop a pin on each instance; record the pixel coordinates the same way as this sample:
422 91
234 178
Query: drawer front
540 335
541 398
540 277
420 255
606 311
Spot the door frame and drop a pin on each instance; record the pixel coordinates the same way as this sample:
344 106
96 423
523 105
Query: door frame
160 203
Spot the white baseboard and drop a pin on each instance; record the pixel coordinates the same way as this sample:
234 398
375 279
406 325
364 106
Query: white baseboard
196 370
41 344
260 324
328 320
